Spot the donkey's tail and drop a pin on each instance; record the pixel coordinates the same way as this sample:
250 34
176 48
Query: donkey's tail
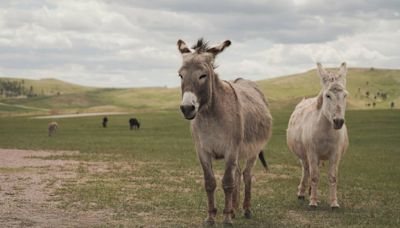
263 161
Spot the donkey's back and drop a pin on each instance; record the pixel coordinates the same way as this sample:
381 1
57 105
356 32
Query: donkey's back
257 120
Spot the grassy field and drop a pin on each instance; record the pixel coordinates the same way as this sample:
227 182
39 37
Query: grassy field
151 177
154 179
283 92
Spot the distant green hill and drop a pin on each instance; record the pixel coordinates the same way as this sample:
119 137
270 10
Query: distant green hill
46 87
282 92
291 89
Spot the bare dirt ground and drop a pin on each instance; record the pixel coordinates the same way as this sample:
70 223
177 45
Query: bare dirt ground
27 191
80 115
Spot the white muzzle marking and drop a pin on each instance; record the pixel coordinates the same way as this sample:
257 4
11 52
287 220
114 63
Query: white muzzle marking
190 98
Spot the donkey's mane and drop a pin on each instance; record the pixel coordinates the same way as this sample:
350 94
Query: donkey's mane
201 46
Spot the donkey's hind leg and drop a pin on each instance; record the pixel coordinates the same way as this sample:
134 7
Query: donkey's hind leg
247 187
304 180
236 191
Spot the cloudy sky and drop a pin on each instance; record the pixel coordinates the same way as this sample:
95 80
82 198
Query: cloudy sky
128 43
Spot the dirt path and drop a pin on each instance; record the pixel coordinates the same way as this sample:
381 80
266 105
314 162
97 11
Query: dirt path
80 115
27 191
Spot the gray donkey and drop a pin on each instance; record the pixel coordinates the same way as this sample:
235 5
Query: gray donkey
230 121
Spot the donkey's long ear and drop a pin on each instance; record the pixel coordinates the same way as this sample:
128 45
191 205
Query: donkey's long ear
320 99
182 47
342 74
218 49
323 74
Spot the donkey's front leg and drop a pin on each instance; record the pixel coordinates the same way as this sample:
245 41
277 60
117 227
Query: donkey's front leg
228 184
332 178
314 173
210 185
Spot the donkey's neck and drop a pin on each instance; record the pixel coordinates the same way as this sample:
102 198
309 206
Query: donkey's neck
220 94
323 122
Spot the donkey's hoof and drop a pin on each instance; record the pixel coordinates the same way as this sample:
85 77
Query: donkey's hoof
248 214
209 222
313 207
301 198
335 205
228 223
335 208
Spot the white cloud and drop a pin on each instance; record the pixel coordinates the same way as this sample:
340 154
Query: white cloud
133 43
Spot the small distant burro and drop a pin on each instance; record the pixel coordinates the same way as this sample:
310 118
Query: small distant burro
52 127
229 120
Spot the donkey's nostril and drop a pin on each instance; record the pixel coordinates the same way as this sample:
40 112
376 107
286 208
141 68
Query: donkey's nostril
187 109
338 123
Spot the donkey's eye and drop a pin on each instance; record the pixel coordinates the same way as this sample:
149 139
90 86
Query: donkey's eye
180 76
328 96
345 96
203 76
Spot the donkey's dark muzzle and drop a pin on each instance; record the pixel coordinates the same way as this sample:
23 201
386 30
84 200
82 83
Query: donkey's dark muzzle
338 123
188 111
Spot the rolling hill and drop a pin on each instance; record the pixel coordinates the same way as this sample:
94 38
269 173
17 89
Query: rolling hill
381 85
48 86
293 88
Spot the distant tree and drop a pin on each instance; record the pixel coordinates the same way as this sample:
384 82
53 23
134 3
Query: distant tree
367 93
392 104
373 104
11 88
31 92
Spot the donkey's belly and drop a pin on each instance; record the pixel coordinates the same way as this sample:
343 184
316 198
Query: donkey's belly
214 145
216 150
325 149
217 155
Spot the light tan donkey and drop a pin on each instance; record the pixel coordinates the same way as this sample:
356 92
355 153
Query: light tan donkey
229 120
52 127
317 132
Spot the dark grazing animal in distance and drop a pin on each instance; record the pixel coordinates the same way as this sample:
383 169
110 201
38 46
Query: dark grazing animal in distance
134 124
105 121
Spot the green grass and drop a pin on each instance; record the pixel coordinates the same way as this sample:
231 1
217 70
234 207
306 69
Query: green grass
11 108
152 176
